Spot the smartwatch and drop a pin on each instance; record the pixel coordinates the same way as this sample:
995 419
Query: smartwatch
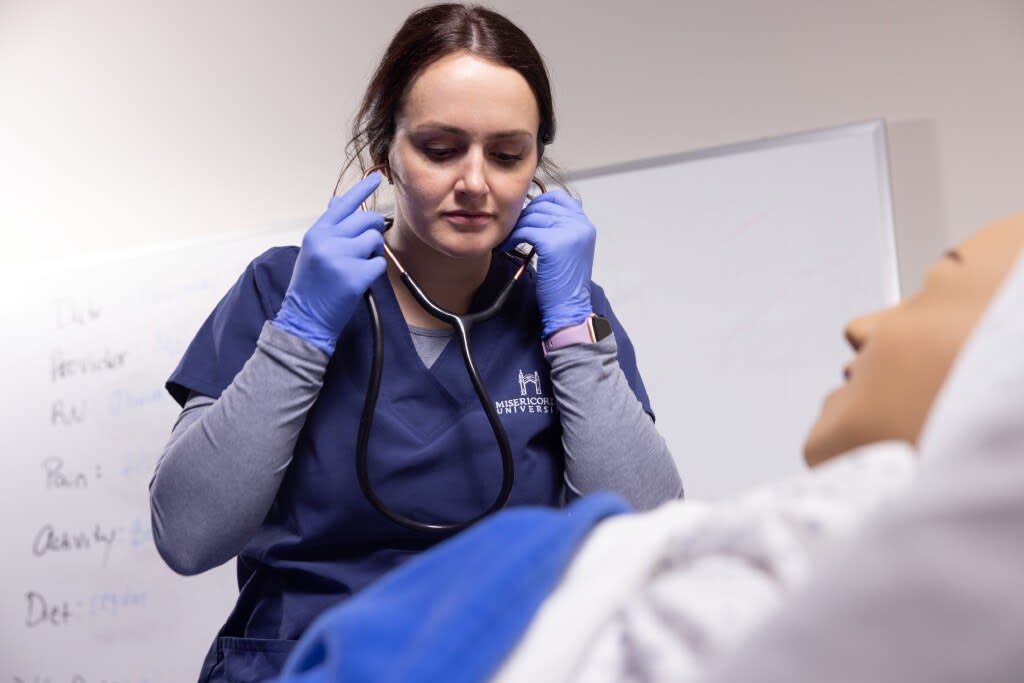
593 329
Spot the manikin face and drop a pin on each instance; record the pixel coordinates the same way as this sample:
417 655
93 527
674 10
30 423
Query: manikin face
904 353
463 156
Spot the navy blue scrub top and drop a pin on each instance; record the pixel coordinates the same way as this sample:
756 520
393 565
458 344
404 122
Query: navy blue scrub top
432 453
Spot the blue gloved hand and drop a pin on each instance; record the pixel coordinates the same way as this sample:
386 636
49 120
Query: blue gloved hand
554 223
339 260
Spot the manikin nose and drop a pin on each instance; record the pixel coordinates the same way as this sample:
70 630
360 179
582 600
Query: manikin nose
859 329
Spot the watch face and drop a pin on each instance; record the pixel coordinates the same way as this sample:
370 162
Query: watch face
599 327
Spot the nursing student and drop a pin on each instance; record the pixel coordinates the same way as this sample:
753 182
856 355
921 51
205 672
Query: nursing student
261 463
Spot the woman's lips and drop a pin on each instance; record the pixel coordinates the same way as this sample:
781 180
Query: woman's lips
468 218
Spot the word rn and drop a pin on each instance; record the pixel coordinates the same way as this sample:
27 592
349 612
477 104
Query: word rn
66 413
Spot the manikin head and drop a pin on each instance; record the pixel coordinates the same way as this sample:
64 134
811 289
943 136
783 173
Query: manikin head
904 353
459 112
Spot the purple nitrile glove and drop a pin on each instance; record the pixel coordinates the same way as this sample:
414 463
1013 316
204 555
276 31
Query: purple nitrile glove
339 259
564 238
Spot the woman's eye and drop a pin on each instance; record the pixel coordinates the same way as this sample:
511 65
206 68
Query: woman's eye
439 152
506 158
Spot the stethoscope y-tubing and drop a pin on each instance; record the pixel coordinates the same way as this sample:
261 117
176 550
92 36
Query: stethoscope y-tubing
462 325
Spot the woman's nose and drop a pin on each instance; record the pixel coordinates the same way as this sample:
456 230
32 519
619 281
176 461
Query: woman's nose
472 180
859 329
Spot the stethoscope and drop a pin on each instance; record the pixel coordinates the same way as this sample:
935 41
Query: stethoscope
462 324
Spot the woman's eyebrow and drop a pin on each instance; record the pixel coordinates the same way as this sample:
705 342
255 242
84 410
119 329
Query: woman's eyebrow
454 130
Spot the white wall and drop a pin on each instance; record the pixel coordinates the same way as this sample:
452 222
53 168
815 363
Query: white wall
127 123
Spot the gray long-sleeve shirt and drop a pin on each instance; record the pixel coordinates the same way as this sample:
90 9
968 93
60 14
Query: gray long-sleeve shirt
226 457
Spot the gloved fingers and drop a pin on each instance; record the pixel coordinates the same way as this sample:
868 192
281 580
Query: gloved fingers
550 209
559 197
532 235
365 245
348 203
365 272
325 244
357 224
537 219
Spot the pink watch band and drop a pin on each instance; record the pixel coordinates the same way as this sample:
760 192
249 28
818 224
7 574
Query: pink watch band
568 336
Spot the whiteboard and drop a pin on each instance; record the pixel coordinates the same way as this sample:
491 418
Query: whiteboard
85 597
732 269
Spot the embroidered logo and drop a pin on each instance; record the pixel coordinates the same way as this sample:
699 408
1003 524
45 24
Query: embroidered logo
525 380
531 397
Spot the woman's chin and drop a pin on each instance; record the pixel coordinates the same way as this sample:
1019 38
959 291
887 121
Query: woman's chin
468 246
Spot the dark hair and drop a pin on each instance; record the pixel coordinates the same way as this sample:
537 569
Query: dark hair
427 35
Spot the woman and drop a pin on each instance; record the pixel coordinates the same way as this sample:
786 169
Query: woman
926 589
261 463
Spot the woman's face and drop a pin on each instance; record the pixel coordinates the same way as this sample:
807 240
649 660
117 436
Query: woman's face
904 353
464 152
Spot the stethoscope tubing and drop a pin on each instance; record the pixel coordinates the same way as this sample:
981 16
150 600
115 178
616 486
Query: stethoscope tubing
462 325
